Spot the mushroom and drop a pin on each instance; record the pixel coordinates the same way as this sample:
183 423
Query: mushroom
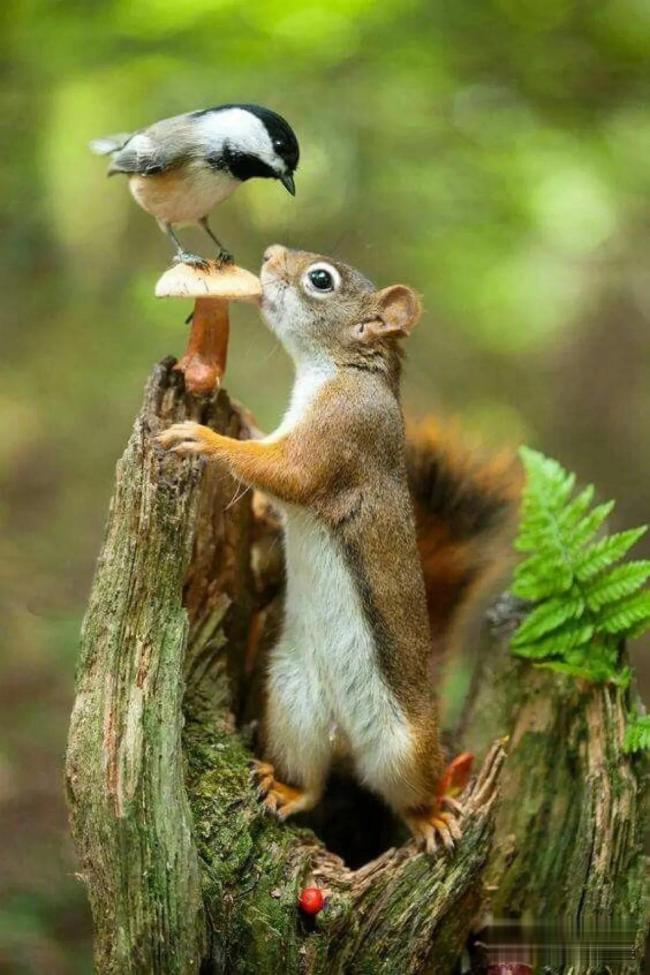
212 288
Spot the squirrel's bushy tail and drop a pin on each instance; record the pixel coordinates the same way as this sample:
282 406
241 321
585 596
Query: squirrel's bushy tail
465 508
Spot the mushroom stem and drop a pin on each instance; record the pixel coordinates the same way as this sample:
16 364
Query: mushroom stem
204 361
212 288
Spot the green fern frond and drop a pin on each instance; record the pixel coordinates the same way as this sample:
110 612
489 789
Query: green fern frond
606 552
584 604
569 637
629 613
586 529
621 581
548 616
541 576
637 734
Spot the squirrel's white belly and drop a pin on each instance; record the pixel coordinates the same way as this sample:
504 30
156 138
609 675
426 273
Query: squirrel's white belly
184 194
325 669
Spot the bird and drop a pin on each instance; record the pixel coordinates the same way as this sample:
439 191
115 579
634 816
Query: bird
181 167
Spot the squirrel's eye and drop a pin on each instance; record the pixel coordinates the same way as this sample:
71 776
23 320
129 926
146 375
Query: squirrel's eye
321 279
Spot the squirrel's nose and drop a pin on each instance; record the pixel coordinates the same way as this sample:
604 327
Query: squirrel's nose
274 253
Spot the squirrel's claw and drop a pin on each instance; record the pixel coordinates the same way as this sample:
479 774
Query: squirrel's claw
452 803
452 825
433 825
278 798
441 820
185 438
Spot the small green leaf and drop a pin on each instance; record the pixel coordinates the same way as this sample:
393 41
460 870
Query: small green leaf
633 611
637 734
589 525
557 644
574 511
606 552
539 577
589 672
622 581
548 616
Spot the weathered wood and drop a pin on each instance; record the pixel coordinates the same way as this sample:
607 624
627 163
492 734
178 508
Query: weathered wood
569 834
129 812
182 865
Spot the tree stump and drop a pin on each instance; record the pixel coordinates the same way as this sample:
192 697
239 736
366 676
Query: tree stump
185 871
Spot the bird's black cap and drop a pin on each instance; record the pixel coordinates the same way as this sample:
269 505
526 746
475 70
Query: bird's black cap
282 135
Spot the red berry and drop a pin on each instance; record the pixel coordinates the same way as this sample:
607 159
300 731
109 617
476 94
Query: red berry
311 900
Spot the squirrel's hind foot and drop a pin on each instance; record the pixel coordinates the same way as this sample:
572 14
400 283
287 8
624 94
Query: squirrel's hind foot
280 799
433 825
441 819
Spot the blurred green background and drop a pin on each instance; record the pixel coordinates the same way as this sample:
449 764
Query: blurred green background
492 153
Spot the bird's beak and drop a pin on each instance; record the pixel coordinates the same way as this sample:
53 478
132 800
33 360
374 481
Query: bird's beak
288 183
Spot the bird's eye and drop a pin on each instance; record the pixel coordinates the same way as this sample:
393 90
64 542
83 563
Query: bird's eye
321 279
278 144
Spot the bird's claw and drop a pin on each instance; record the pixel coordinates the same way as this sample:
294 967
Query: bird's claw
225 257
192 260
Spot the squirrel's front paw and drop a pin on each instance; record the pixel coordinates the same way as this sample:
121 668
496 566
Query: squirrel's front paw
187 438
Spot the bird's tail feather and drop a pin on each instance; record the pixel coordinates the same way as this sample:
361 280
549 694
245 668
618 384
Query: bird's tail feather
107 144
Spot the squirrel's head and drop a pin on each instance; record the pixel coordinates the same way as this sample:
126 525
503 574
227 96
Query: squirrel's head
321 307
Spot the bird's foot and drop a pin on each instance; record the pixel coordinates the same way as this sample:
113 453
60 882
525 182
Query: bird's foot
225 257
192 260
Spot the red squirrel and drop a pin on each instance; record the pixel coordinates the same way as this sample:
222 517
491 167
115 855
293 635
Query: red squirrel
351 669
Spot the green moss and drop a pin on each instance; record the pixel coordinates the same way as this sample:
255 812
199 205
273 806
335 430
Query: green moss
252 866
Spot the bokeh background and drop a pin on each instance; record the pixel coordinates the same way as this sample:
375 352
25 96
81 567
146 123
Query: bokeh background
492 153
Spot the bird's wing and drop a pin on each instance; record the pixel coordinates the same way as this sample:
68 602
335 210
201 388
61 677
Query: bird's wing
160 147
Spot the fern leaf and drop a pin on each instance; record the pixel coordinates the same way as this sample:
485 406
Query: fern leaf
585 603
541 576
574 511
620 582
590 671
548 616
606 552
631 612
637 734
589 525
569 637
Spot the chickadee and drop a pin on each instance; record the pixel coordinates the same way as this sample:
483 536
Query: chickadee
181 167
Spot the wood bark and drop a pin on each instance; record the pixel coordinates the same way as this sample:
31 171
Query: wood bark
184 870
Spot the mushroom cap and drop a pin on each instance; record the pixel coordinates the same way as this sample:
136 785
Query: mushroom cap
225 281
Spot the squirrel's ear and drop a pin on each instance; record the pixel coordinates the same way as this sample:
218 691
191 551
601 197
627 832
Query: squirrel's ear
398 309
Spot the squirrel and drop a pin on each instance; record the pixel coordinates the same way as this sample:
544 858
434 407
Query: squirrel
350 672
